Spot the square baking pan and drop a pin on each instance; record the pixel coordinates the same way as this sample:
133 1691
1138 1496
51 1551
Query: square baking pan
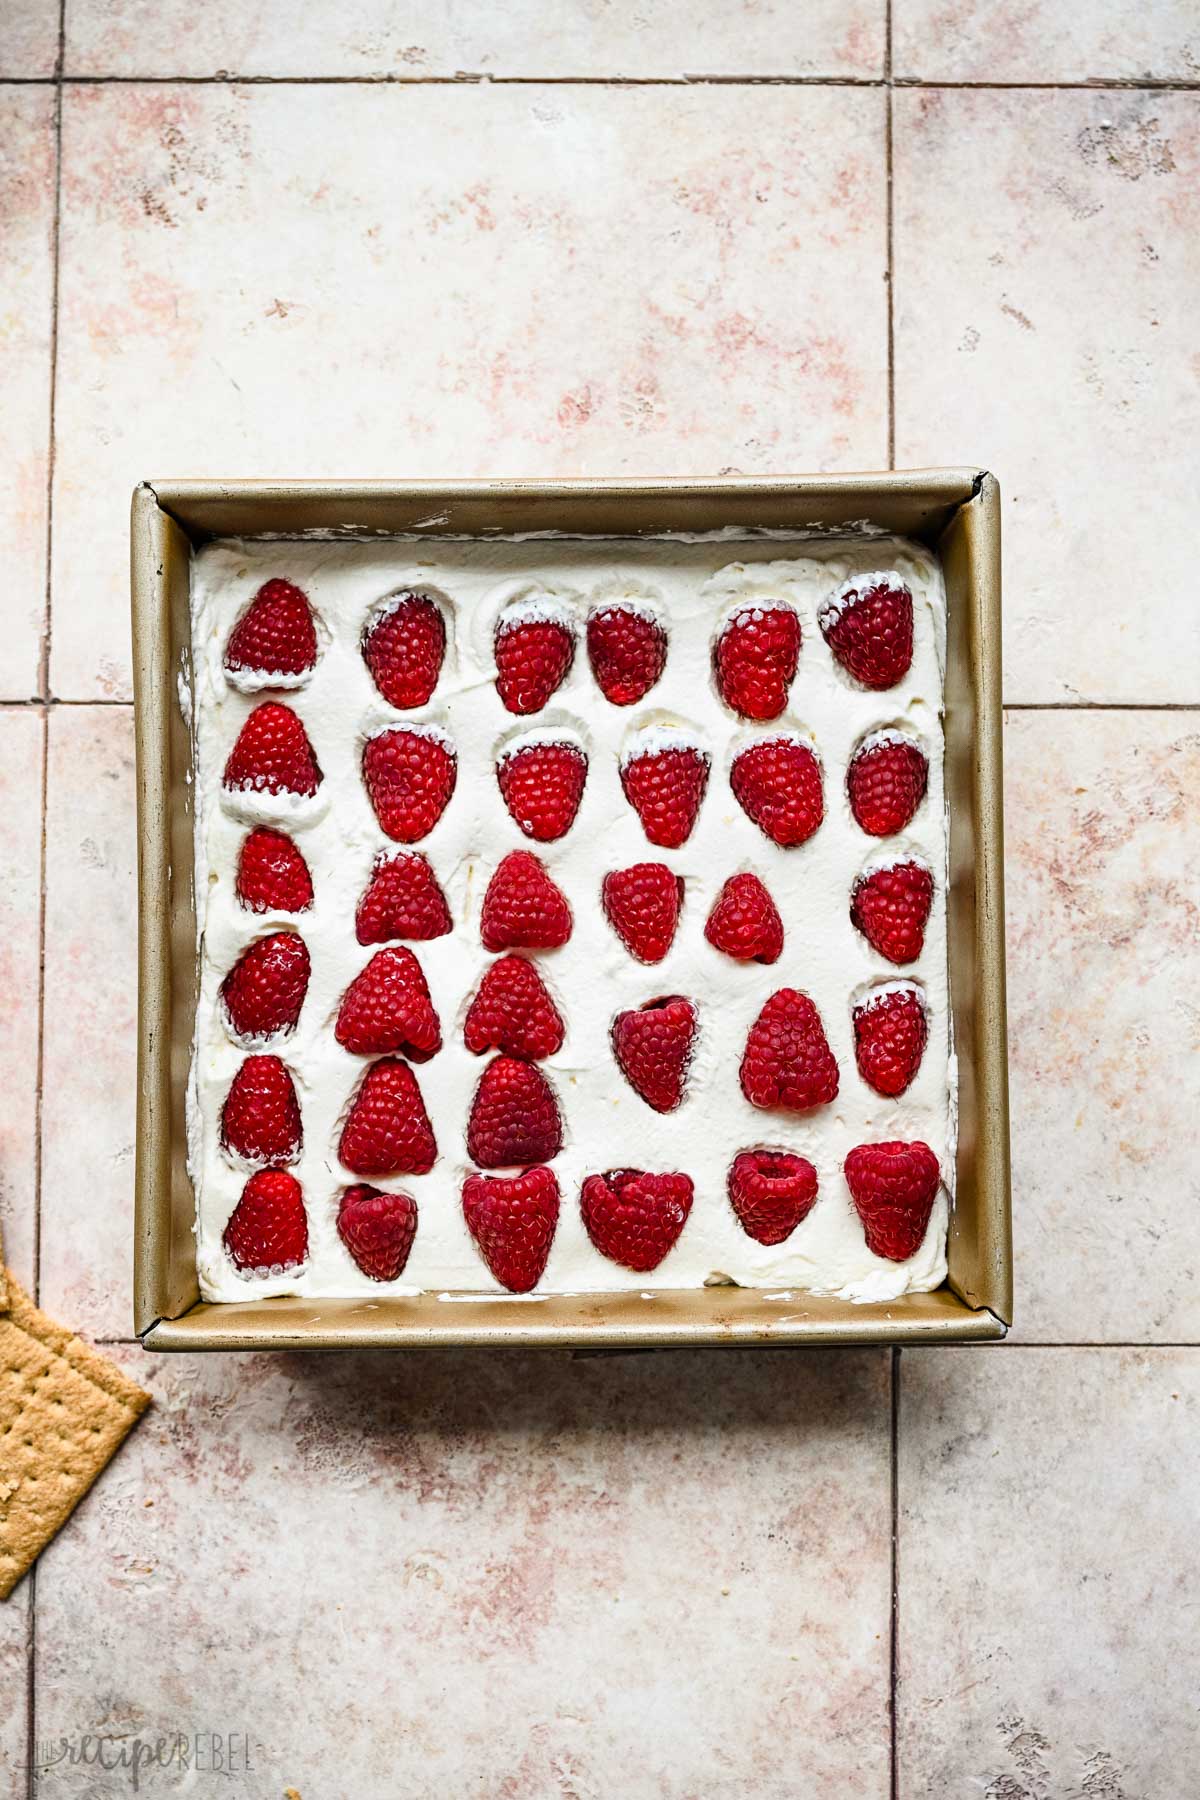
954 511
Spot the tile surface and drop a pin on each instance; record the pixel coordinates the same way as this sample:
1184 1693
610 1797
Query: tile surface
20 885
91 1011
404 40
1049 244
1103 871
1045 40
26 262
1048 1575
495 1606
28 38
523 280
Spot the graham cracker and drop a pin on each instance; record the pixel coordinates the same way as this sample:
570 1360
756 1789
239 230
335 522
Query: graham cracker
64 1412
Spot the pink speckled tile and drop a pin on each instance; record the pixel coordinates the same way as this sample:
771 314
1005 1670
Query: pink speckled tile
405 40
28 38
26 231
414 281
14 1689
20 888
1046 40
1103 877
1047 261
506 1574
1048 1577
90 1016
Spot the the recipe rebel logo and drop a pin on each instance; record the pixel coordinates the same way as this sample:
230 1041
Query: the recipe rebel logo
222 1753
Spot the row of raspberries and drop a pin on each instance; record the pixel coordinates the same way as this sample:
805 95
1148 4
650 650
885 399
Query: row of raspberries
868 625
631 1216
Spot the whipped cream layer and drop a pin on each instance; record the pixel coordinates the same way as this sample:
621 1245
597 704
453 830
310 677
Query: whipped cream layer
692 587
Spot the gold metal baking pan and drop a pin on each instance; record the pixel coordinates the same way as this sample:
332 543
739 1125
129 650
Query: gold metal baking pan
955 510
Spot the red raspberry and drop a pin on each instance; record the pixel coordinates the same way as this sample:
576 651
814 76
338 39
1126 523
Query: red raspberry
777 783
653 1047
890 1030
387 1008
260 1120
664 783
534 649
272 755
514 1116
377 1229
268 1230
642 906
403 900
886 783
542 785
264 991
403 647
745 922
513 1012
893 1187
627 649
787 1061
868 624
523 909
771 1191
755 659
512 1219
410 772
387 1130
890 906
272 874
635 1218
275 636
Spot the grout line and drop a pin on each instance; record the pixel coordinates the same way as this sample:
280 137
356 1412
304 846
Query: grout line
52 702
1100 705
890 213
1104 85
894 1633
31 1689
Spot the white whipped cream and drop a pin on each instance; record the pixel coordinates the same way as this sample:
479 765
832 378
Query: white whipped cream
692 587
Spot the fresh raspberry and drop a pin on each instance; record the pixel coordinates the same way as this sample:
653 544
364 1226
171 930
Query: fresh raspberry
771 1191
265 989
665 787
886 783
787 1061
745 922
755 660
260 1120
868 624
387 1008
403 900
410 776
627 650
542 785
890 906
387 1130
514 1116
634 1218
272 874
267 1233
403 647
272 755
890 1030
642 906
653 1047
377 1229
534 648
512 1219
777 783
523 909
274 636
893 1187
513 1012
